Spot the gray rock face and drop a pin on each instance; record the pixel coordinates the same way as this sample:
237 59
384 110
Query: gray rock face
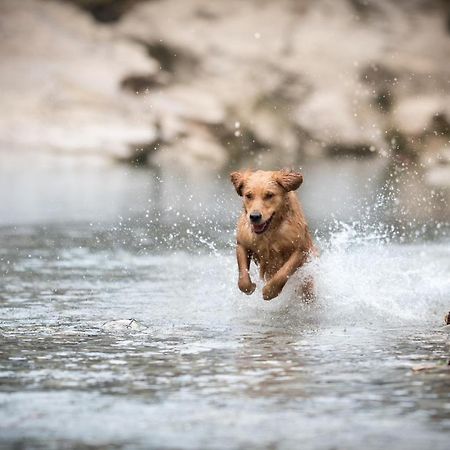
60 83
303 77
227 81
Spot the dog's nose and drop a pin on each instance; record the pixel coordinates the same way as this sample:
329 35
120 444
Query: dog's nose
255 216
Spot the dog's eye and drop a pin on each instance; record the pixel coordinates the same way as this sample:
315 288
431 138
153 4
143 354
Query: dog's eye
248 196
269 195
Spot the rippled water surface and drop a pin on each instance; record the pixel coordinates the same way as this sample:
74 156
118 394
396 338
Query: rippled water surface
201 365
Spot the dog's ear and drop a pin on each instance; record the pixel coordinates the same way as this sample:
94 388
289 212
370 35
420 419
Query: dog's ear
290 181
237 178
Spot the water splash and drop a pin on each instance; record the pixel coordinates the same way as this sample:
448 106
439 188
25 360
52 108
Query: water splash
367 278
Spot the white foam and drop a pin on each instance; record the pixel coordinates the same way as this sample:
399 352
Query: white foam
363 278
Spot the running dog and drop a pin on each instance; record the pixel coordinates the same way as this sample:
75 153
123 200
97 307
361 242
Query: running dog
271 231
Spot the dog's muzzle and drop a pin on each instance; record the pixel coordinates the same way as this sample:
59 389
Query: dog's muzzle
259 228
255 217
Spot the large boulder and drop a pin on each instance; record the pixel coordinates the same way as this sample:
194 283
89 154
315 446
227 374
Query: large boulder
61 83
300 77
415 115
211 83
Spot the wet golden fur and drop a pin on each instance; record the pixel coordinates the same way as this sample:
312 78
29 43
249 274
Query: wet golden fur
285 243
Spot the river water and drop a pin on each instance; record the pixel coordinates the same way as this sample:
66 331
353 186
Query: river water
122 325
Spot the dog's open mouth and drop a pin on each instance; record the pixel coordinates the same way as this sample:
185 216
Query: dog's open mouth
259 228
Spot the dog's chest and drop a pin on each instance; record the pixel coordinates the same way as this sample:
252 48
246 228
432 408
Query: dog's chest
271 255
272 251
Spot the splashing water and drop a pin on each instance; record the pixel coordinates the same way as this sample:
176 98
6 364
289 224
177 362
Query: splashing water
373 273
365 278
202 365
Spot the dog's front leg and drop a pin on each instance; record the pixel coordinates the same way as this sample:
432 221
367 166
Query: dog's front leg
275 285
243 259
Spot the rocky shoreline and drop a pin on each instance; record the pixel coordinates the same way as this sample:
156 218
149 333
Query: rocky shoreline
206 85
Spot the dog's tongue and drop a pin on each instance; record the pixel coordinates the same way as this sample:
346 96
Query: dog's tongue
259 228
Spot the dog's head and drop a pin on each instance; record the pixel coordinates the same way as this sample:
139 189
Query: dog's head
264 194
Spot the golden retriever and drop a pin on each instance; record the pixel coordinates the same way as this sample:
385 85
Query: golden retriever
271 230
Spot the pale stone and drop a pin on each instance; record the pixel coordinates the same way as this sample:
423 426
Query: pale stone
60 83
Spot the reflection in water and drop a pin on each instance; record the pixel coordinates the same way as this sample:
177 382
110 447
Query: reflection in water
209 367
344 190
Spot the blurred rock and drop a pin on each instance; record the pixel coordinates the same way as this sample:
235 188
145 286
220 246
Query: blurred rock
438 175
123 325
440 367
105 10
414 115
60 83
195 151
227 82
305 77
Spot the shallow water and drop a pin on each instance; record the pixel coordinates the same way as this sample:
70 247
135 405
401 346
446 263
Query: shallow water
203 366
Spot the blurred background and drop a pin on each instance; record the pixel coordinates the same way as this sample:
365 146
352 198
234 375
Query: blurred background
102 100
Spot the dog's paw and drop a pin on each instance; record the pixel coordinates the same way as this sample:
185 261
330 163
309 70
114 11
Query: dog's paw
270 291
247 287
